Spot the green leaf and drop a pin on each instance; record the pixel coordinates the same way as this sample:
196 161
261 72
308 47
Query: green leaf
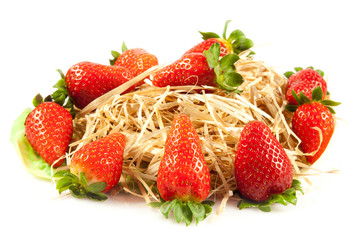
207 35
297 98
96 187
97 196
198 211
297 69
115 56
167 207
209 203
155 204
31 160
37 100
61 74
291 108
212 55
320 72
124 47
225 28
303 98
331 109
288 74
179 212
77 192
233 79
60 173
330 103
236 35
188 215
317 94
64 182
243 44
227 61
83 180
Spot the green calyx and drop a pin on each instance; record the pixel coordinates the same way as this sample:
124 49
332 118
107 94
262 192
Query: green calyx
236 38
78 186
226 76
184 211
317 96
288 196
60 96
288 74
116 54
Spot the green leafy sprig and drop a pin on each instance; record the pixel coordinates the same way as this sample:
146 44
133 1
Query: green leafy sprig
317 96
116 54
184 211
288 196
78 186
236 38
226 76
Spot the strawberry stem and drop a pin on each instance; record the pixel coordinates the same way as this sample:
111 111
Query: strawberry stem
184 211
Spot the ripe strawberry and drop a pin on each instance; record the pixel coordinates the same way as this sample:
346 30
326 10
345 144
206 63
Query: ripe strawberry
87 81
183 178
49 130
201 69
137 60
304 80
263 171
235 43
95 168
313 123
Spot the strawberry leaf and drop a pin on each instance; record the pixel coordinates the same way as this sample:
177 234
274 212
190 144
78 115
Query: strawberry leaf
207 35
288 74
288 196
167 207
115 56
124 47
184 211
236 35
317 94
97 187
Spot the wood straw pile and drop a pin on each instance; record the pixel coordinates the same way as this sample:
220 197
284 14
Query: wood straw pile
145 117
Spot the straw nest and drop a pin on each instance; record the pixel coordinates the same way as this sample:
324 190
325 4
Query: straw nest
144 116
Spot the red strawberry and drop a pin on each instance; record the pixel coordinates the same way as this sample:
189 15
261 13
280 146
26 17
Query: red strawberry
235 43
87 81
313 123
262 167
183 178
49 129
95 168
191 69
137 60
201 69
305 80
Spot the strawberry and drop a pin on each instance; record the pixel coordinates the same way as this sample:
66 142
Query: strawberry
49 130
313 122
95 168
235 43
201 69
263 171
183 178
86 81
136 60
304 80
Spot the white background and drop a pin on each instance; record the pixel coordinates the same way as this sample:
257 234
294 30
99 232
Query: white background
38 37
